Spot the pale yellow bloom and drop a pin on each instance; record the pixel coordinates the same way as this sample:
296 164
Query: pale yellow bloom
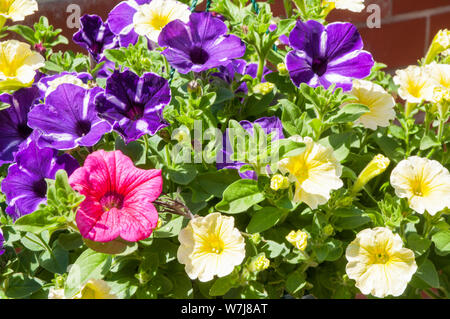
263 88
415 84
18 65
298 239
379 263
259 263
151 18
380 103
93 289
351 5
376 167
315 172
425 183
443 39
210 246
65 79
278 182
17 10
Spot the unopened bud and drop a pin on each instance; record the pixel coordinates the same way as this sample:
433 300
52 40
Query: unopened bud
279 182
259 263
194 87
376 167
298 238
263 88
282 69
328 230
255 238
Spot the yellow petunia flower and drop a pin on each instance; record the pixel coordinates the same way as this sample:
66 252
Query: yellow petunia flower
151 18
379 263
210 246
315 172
415 84
298 239
425 183
93 289
375 167
351 5
16 10
380 103
18 65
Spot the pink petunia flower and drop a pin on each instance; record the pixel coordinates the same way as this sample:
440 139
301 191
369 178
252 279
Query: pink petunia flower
119 198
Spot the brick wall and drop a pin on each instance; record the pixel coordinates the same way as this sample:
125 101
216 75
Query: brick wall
407 26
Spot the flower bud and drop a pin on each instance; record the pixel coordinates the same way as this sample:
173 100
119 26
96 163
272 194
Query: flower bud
328 230
194 87
259 263
441 43
278 182
298 238
159 224
282 69
376 167
255 238
263 88
181 136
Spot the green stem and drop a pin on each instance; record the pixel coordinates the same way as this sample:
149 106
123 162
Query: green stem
260 67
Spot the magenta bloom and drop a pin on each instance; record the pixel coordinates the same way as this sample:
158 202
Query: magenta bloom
119 198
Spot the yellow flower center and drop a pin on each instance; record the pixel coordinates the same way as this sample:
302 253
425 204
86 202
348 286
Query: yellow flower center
381 257
158 21
415 88
419 187
215 245
5 5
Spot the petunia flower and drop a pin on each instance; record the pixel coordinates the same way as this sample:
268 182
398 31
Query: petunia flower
17 10
200 44
210 246
68 118
425 183
18 65
379 263
48 84
133 104
14 130
2 240
315 172
415 84
268 124
120 21
119 198
24 186
380 103
92 289
440 74
351 5
326 55
151 18
95 36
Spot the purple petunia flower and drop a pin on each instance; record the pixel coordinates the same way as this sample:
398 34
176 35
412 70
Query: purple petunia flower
326 55
48 84
268 124
14 130
95 36
133 104
200 44
68 118
2 239
120 21
24 186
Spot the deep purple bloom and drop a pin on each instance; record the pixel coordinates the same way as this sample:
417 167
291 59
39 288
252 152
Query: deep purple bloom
95 36
24 186
268 124
120 21
2 239
68 118
14 130
45 85
326 55
133 104
200 44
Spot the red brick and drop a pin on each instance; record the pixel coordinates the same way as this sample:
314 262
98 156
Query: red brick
396 44
358 17
438 22
404 6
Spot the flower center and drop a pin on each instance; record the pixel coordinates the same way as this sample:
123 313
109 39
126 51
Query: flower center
319 66
216 245
198 55
135 112
83 127
40 188
24 130
381 258
158 21
111 200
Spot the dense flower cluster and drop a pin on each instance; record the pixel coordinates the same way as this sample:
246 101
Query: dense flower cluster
220 153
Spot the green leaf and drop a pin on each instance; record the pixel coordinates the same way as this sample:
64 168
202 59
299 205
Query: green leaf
183 287
37 222
426 274
215 183
170 229
264 219
418 244
221 286
429 141
349 113
182 174
55 261
89 265
161 284
113 247
22 286
295 282
26 32
240 196
117 56
272 249
442 241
